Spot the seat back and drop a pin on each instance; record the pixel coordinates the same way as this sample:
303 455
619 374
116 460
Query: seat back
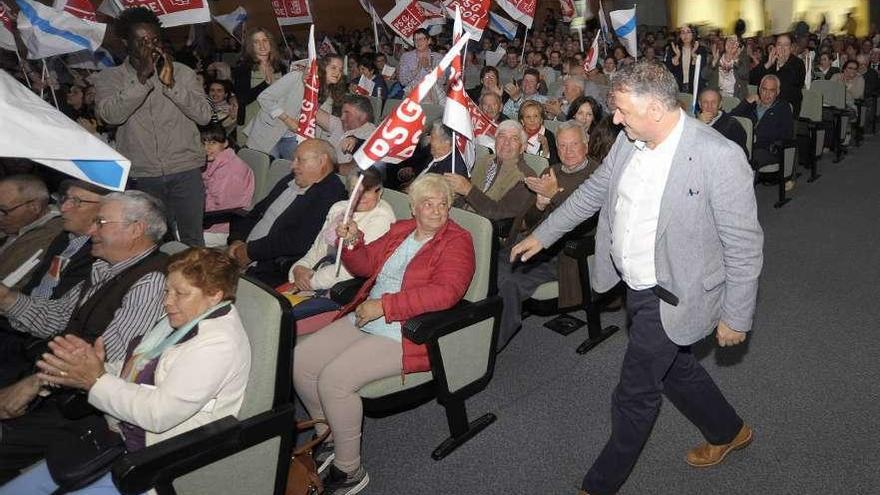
399 203
536 163
833 92
259 163
748 127
811 105
390 105
480 229
377 108
551 125
753 89
267 321
687 102
279 169
728 103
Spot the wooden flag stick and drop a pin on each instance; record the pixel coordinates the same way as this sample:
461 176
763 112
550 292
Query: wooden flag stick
351 202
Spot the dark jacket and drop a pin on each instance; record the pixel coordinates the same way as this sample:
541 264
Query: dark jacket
241 84
292 233
732 130
678 71
777 123
791 77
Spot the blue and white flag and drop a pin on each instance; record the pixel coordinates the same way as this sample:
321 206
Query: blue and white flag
624 23
502 26
85 59
47 32
232 21
33 129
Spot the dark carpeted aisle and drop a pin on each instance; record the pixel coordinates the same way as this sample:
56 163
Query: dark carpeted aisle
807 379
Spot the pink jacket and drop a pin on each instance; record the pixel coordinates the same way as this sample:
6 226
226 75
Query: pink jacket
229 184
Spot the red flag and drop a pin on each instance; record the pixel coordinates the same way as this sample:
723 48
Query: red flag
396 138
405 18
474 15
522 11
455 112
291 12
80 8
309 109
173 12
592 55
7 39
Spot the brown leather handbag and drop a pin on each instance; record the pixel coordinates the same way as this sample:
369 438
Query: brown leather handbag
302 476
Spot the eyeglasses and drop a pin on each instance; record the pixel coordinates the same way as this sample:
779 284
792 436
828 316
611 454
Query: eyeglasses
7 211
101 222
77 202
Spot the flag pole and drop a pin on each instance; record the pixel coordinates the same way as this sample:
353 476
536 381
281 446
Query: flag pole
581 36
522 57
23 70
345 219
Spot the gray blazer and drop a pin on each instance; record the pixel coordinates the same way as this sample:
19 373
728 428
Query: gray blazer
283 96
708 248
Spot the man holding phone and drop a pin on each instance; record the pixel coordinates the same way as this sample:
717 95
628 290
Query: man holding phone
157 104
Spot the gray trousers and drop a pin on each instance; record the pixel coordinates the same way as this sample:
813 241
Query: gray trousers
516 283
183 194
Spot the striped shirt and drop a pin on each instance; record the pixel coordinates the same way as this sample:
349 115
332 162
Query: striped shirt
141 307
48 283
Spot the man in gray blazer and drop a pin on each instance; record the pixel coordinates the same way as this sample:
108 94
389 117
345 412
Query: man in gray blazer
678 224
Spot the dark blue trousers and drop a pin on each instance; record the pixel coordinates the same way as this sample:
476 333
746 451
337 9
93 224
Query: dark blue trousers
654 365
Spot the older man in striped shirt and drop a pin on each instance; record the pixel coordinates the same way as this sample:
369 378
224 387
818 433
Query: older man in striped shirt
121 300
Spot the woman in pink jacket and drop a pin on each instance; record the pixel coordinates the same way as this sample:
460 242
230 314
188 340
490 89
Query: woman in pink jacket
421 265
229 182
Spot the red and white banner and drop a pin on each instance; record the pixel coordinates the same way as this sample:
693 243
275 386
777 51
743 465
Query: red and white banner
474 15
434 15
480 122
522 11
592 57
365 86
80 8
291 12
172 12
566 8
455 112
308 110
327 46
7 39
405 18
398 135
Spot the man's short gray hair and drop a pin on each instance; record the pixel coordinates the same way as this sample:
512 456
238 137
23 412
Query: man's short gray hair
578 81
29 187
138 206
323 147
362 103
512 125
444 132
574 124
771 77
646 78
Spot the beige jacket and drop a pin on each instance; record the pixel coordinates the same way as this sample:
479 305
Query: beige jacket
157 125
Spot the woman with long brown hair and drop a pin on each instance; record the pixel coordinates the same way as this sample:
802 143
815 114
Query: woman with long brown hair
260 65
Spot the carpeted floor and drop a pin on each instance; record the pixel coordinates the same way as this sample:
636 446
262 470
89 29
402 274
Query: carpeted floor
806 380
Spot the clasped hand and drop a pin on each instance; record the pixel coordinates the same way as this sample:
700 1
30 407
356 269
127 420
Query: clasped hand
73 362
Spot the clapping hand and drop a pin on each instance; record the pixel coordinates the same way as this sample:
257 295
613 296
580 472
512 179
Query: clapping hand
166 73
347 144
546 185
73 362
512 88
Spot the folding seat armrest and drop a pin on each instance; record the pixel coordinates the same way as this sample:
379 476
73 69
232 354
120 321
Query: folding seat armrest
170 459
222 216
136 472
431 326
344 292
581 247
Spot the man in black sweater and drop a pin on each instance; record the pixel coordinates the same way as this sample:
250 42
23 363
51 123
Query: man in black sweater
282 227
772 119
789 69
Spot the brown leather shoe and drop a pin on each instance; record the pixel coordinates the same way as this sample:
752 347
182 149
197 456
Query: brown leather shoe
709 455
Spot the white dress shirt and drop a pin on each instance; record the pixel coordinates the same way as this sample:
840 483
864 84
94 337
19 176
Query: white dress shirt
640 192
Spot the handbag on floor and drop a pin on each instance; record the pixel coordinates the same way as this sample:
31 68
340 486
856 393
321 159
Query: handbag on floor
87 455
302 476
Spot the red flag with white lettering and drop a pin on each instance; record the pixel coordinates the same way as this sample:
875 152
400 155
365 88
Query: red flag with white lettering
405 18
455 112
309 108
291 12
396 138
173 12
80 8
566 8
7 39
592 55
522 11
474 15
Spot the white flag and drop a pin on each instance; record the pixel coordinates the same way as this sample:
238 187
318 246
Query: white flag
110 8
33 129
520 10
592 55
233 20
624 23
47 32
502 26
173 12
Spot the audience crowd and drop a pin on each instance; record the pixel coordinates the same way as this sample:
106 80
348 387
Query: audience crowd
182 115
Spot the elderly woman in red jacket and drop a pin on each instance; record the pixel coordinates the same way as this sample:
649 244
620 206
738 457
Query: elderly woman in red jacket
421 265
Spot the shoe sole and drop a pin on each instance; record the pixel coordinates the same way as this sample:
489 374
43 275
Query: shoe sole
360 486
324 465
745 443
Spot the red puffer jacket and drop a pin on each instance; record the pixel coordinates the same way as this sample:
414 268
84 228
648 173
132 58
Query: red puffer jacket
436 279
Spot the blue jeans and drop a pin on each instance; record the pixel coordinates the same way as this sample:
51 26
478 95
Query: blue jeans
284 148
38 481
